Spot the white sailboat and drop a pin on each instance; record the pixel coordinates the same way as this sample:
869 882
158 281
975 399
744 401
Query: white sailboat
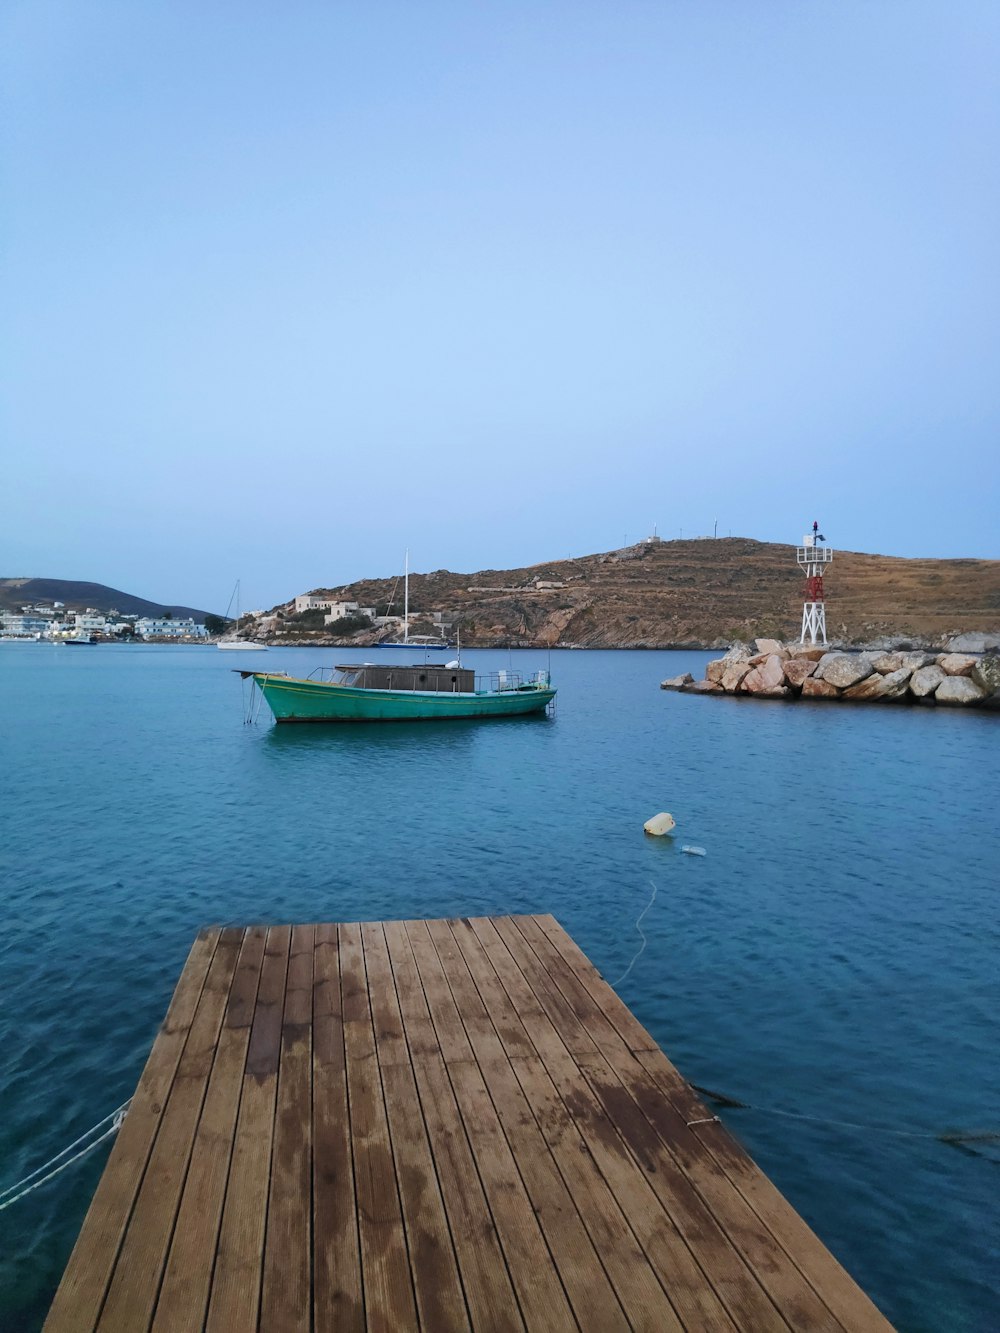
236 644
408 640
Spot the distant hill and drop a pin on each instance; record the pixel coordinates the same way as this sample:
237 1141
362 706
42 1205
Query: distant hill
705 592
77 596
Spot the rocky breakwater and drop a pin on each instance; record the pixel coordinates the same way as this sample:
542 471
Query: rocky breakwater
772 670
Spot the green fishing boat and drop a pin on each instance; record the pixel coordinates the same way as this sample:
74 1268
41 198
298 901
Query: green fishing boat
370 693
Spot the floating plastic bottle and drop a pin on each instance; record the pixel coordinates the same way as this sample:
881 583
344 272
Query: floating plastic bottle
693 851
660 824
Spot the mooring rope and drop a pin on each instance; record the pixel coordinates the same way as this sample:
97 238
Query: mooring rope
48 1169
956 1138
638 953
947 1136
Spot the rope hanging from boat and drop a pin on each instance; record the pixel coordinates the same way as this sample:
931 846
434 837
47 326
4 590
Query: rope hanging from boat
251 707
44 1173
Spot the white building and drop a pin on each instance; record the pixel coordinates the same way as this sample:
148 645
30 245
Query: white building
312 601
338 610
150 627
21 625
90 622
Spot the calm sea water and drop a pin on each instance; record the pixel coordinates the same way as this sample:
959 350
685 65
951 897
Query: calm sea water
834 954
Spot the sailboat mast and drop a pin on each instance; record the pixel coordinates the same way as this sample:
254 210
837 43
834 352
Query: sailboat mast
406 598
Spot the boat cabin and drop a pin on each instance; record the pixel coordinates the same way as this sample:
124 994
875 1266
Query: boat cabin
425 677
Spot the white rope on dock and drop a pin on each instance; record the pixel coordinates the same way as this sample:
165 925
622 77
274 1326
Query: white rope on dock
48 1169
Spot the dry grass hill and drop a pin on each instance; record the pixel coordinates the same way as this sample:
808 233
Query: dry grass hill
705 592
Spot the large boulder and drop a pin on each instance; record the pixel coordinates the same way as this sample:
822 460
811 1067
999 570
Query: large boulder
916 660
973 643
797 669
958 690
739 652
703 687
716 670
986 674
894 685
925 680
767 678
677 682
818 689
769 646
888 662
844 669
957 664
812 651
734 676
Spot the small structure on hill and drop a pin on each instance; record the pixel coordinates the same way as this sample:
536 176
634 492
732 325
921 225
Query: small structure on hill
812 557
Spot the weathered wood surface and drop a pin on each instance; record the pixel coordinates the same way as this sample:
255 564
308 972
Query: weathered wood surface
429 1125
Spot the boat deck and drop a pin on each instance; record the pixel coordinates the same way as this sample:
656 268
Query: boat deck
429 1124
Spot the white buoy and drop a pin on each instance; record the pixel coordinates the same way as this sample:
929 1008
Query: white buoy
660 824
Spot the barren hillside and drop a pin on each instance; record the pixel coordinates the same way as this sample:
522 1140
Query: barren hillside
705 592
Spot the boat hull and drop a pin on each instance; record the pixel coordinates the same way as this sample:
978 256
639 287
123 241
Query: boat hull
293 700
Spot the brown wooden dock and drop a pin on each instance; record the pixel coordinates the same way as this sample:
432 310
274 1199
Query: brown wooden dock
429 1124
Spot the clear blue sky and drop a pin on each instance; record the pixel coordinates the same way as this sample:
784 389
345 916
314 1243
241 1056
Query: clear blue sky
288 288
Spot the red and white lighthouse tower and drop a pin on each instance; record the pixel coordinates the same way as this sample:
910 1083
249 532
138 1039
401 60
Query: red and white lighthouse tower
813 557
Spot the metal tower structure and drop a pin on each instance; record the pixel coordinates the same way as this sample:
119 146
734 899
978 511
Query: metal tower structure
812 557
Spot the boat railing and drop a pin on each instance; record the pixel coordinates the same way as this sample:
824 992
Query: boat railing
489 682
497 682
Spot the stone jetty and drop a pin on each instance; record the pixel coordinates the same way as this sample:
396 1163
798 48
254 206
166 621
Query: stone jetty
768 669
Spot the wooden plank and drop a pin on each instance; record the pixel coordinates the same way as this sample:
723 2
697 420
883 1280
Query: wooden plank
577 1262
612 1006
750 1237
78 1300
448 1027
338 1298
533 1272
135 1283
385 1266
838 1290
631 1179
390 1038
485 1279
638 1290
783 1245
234 1302
286 1288
731 1274
187 1279
434 1268
762 1253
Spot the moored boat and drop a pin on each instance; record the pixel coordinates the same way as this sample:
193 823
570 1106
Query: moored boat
365 692
235 644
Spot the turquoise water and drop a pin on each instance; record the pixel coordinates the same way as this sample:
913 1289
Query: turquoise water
834 954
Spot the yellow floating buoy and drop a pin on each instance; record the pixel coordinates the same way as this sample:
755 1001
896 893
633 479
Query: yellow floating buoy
660 824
